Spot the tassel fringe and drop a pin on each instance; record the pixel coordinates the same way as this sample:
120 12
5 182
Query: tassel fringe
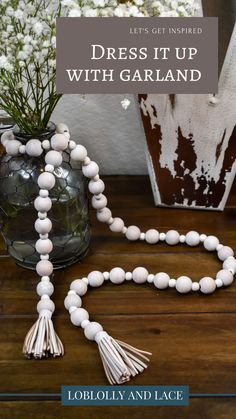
42 341
120 360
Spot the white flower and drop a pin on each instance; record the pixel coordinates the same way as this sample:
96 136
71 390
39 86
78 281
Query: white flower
18 14
10 28
22 55
4 63
53 41
68 3
91 13
99 3
138 2
75 13
9 11
119 11
38 28
125 103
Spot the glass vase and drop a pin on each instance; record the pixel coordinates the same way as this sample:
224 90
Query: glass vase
70 233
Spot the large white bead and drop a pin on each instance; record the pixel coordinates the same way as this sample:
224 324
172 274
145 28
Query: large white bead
133 233
44 268
46 180
225 252
45 287
34 148
95 278
96 187
230 263
54 158
161 280
100 203
225 276
117 275
79 153
117 225
140 275
211 243
72 300
152 236
91 170
7 136
79 287
92 329
61 128
104 215
59 142
183 284
43 226
192 238
42 204
172 237
12 147
44 246
207 285
78 316
45 304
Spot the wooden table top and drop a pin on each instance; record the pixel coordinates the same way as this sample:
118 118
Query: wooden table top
192 337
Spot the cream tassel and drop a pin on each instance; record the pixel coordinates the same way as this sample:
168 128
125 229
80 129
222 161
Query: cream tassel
42 341
120 360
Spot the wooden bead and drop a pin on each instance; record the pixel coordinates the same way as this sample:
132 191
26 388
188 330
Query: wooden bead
95 279
22 149
172 237
12 147
46 180
61 128
207 285
117 225
92 329
43 204
211 243
90 170
72 300
49 168
79 153
59 142
192 238
72 145
140 275
44 267
128 276
7 136
195 286
99 204
46 144
43 226
219 283
161 280
45 287
96 187
117 275
226 276
133 233
152 236
45 304
182 238
54 158
230 264
79 286
183 284
162 237
172 283
34 148
225 252
43 247
78 316
104 215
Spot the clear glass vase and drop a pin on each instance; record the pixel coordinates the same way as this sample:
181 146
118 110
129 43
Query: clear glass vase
70 233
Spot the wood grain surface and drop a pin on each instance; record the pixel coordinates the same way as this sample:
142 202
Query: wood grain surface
192 337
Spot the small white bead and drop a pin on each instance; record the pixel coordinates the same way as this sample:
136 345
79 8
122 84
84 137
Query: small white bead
22 149
46 144
34 148
45 304
150 278
90 170
43 226
211 243
54 158
95 278
43 193
49 168
117 225
7 136
162 237
128 276
84 323
140 275
219 247
43 246
124 229
172 283
99 204
225 252
161 280
172 237
104 215
79 286
59 142
203 237
12 147
72 145
192 238
133 233
86 161
78 316
219 283
195 286
85 280
43 236
117 275
152 236
42 215
92 329
61 128
106 275
182 238
79 153
183 284
42 204
44 257
142 236
44 268
45 278
46 180
230 264
96 187
72 301
45 287
207 285
226 276
95 178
